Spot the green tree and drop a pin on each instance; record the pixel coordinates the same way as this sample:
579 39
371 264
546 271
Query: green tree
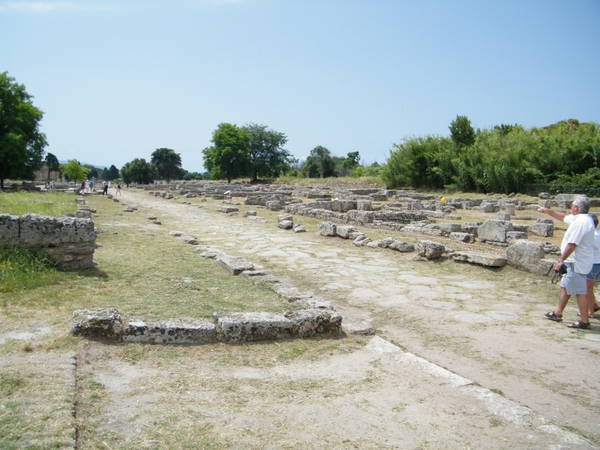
21 142
319 163
74 171
167 163
229 157
268 158
138 171
52 163
461 131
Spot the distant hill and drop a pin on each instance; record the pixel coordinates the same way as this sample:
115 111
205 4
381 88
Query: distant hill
86 164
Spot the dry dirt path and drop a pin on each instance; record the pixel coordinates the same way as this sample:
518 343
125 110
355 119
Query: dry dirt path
513 379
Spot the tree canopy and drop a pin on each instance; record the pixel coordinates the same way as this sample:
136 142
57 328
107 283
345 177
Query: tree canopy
228 158
138 171
268 158
319 163
52 163
167 163
21 142
74 171
502 159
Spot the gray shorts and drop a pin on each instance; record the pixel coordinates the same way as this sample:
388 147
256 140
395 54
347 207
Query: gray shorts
575 283
594 274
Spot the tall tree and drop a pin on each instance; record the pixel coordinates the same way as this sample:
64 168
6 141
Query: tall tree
229 157
462 132
167 163
52 163
74 171
21 142
138 171
267 155
319 163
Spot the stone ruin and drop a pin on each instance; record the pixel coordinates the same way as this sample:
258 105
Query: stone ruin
69 241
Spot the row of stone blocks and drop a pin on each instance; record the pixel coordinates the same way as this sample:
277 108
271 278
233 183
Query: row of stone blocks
225 327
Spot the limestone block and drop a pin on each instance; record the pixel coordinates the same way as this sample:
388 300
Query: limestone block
448 228
299 229
364 205
286 216
430 249
503 216
488 207
516 235
250 214
229 209
9 230
234 264
286 224
528 256
343 205
542 229
98 323
275 205
462 237
328 229
403 247
39 231
361 240
479 258
188 240
250 327
344 231
361 217
77 230
171 331
564 200
494 230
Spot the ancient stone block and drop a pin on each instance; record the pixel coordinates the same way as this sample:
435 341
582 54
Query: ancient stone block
286 224
494 230
344 231
249 327
430 249
234 264
528 256
542 229
462 237
479 258
98 323
9 230
171 331
328 229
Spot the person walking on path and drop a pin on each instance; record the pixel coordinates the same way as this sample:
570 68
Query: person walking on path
577 253
118 189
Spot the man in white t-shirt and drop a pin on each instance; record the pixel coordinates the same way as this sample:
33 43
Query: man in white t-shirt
577 253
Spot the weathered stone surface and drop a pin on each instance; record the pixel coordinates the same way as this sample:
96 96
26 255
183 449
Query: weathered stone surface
344 231
430 249
299 229
401 246
286 216
229 209
529 256
480 258
286 224
494 230
98 323
328 229
449 228
516 235
542 229
361 240
234 264
250 327
462 237
9 229
188 240
172 331
488 207
275 205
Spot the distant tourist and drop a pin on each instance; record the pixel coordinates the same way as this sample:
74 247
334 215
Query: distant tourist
118 189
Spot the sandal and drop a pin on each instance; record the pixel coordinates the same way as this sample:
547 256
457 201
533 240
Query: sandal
581 325
553 316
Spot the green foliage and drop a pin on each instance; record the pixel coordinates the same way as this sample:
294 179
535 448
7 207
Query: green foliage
229 157
319 163
74 171
138 171
167 163
268 158
21 142
52 163
461 131
110 174
20 269
503 159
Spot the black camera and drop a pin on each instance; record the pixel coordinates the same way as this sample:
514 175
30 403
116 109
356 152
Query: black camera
559 273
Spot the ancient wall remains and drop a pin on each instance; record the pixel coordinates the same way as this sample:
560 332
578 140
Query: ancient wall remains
70 241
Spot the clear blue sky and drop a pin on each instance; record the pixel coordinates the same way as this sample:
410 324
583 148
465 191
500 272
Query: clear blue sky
118 79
